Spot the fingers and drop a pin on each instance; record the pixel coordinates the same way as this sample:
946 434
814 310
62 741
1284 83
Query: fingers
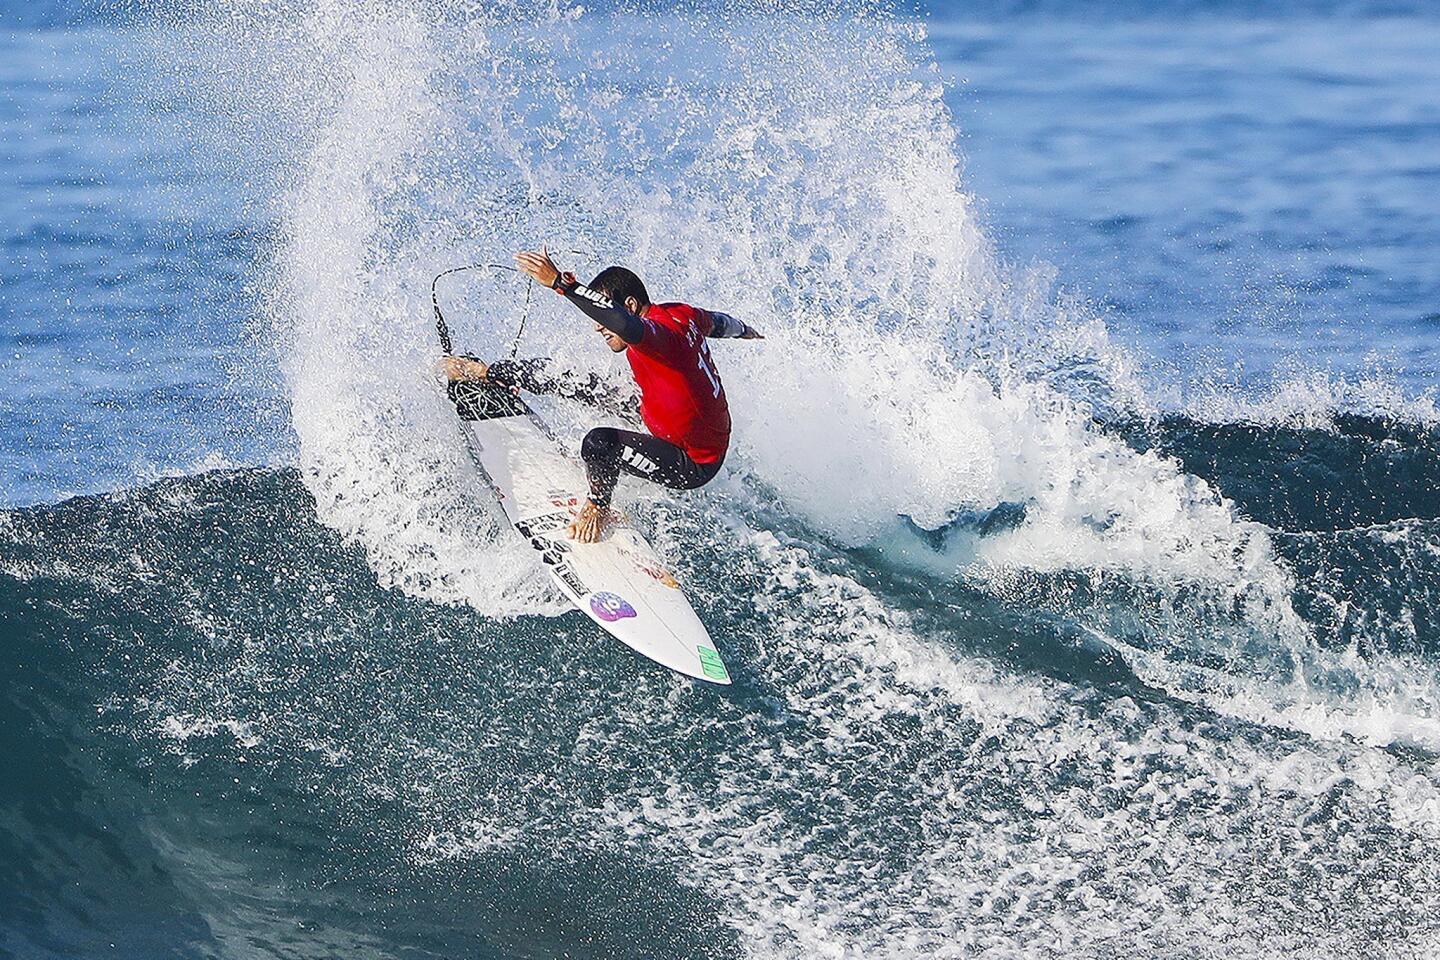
537 265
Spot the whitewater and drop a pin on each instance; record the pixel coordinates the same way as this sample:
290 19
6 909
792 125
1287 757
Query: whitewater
1189 705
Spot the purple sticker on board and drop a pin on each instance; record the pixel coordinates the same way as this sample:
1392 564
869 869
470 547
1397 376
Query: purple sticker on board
610 607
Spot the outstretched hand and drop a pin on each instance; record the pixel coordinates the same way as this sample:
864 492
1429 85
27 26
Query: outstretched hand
538 266
751 334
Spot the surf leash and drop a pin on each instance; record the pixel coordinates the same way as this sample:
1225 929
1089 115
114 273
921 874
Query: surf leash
443 328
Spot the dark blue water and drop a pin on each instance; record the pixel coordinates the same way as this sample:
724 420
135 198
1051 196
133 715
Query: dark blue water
276 684
127 285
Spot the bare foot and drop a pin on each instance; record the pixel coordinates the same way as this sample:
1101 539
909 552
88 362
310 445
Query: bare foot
591 523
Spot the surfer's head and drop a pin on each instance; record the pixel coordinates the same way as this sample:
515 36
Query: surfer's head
623 288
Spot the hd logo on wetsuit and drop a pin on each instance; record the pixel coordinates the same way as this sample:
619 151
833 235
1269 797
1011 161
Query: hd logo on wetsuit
638 460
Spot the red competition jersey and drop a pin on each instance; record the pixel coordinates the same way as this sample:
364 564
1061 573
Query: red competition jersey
681 397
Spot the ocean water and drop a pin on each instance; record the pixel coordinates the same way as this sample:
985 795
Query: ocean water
1153 281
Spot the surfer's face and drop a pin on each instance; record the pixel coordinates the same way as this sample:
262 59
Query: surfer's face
612 339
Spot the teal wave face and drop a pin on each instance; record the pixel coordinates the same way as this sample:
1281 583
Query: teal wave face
234 743
1356 471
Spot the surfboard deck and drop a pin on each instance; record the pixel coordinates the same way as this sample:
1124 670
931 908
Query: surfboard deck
620 582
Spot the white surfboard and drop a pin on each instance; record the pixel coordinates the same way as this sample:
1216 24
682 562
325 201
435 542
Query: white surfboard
619 582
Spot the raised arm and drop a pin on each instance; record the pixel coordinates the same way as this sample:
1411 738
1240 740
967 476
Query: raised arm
597 307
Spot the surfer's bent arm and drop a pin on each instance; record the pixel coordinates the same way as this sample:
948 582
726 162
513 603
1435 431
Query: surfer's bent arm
542 375
724 325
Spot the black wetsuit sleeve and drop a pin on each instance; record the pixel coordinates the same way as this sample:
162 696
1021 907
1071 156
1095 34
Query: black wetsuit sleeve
541 375
724 325
601 309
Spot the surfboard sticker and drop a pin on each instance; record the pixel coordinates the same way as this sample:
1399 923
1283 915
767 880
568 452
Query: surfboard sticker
620 582
611 607
713 666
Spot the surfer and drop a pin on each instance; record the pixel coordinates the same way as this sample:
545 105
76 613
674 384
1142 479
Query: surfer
682 401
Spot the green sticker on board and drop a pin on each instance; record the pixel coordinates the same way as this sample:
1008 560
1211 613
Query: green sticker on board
711 663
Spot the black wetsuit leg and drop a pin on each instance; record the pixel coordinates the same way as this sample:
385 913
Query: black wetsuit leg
608 451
